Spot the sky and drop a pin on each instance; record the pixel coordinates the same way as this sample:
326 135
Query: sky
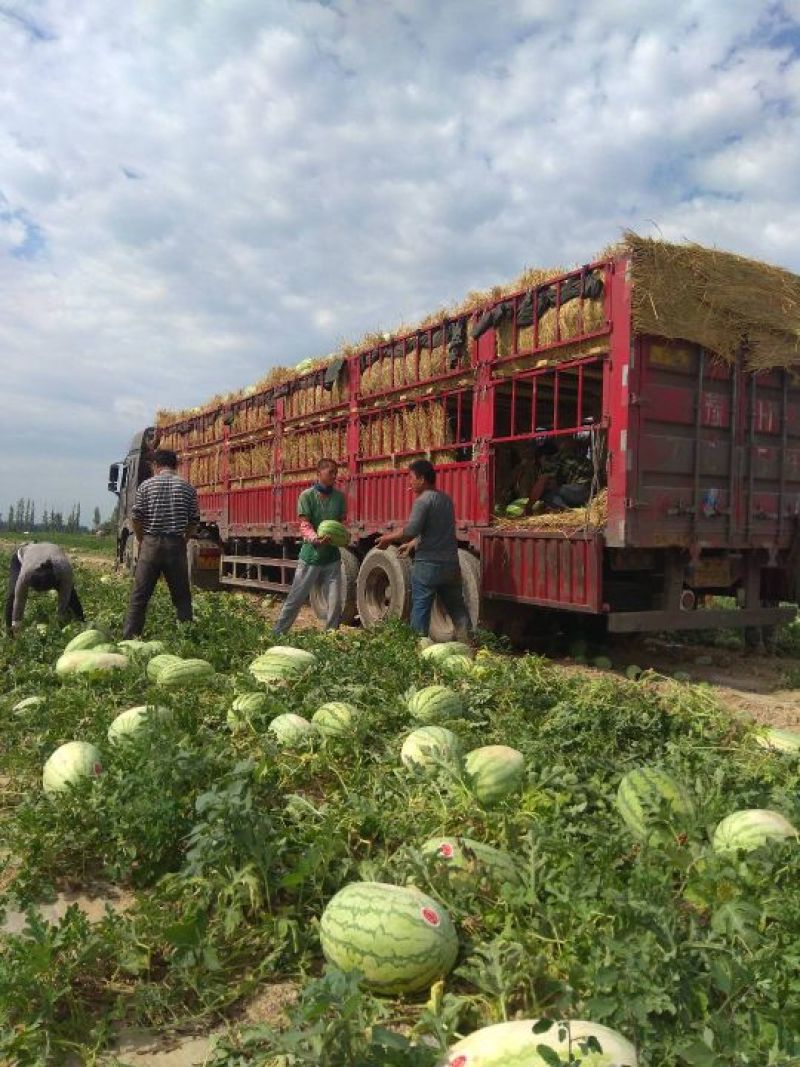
194 191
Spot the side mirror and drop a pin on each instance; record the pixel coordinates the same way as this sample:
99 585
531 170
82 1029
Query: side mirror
113 478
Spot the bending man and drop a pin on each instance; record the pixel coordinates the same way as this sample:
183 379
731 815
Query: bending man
40 567
436 570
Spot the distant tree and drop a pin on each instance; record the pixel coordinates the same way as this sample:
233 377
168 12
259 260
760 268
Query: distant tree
45 523
96 520
10 523
32 515
20 516
77 516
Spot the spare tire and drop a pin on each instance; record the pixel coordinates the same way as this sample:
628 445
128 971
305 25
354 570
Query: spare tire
318 600
383 589
441 628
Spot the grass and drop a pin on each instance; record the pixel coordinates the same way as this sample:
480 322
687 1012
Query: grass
229 848
103 545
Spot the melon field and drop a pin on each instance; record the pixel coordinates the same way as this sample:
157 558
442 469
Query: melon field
610 867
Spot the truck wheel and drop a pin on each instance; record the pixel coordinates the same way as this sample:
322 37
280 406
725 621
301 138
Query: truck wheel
383 589
319 604
130 555
441 628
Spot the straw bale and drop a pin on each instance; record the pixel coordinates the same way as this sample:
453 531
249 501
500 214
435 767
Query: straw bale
717 300
409 430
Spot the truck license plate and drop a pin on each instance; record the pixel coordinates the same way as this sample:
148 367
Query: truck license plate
711 573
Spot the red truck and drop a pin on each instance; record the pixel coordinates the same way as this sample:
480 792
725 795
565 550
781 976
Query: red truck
697 493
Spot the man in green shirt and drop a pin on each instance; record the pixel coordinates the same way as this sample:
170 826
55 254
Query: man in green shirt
320 561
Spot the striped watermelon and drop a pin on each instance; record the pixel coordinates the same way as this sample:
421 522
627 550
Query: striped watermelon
185 674
457 665
435 703
430 748
515 1044
467 860
648 794
69 763
281 664
400 939
28 704
336 532
493 772
131 722
336 719
158 662
751 828
87 639
437 653
141 650
250 703
89 663
292 730
778 740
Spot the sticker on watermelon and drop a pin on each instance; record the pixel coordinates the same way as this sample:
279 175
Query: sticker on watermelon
446 850
97 769
430 916
459 1061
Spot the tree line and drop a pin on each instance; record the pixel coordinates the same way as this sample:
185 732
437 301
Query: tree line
23 517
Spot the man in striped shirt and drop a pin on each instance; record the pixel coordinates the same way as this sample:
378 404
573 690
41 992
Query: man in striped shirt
165 515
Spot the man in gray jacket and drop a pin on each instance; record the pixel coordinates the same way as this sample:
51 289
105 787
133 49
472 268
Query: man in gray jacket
40 567
436 571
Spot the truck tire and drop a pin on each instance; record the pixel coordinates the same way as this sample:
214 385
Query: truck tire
318 601
130 554
441 628
383 589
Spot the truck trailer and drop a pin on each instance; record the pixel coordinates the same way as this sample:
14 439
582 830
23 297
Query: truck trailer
675 366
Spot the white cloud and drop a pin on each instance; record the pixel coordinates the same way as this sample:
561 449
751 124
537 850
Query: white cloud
195 191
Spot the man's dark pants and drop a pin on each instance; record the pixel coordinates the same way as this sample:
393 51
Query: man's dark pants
429 580
159 555
40 583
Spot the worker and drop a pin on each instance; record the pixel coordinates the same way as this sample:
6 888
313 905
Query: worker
165 516
320 562
40 567
564 473
431 526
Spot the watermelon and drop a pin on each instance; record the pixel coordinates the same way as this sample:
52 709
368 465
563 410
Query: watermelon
292 730
87 639
281 664
468 860
131 722
515 511
28 704
336 719
435 703
430 747
89 663
185 674
337 532
106 646
458 665
141 650
69 763
749 829
304 366
515 1044
159 662
493 772
632 672
436 653
602 663
778 740
250 703
648 792
397 937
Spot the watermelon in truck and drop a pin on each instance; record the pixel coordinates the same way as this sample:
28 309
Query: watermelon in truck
671 368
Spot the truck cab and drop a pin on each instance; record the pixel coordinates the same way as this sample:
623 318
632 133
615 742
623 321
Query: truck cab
124 478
